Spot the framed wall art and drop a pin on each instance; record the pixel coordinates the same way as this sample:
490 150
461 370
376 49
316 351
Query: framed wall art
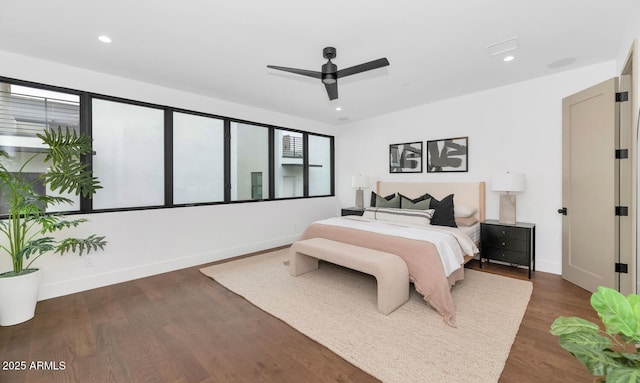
448 155
405 158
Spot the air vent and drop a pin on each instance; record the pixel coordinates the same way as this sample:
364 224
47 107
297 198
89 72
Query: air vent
503 46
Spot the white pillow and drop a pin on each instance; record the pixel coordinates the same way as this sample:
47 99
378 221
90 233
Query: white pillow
466 221
461 210
405 216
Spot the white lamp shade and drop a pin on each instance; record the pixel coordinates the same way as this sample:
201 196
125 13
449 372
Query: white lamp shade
359 181
509 182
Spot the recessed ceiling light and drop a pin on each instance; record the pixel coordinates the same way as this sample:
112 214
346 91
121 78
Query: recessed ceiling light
338 108
104 39
508 58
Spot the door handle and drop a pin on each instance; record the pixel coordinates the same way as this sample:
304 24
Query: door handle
563 211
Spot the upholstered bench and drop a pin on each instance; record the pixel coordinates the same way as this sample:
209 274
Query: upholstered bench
390 270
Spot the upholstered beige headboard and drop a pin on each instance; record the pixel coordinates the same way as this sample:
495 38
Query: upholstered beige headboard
471 194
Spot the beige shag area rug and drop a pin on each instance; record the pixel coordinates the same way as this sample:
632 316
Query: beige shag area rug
337 308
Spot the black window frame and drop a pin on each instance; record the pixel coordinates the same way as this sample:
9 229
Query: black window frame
86 98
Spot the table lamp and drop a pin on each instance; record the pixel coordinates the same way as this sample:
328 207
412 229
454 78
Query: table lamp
359 182
509 183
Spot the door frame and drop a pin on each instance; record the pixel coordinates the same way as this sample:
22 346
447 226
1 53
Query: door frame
629 283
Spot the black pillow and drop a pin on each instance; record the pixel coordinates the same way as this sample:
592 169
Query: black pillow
389 198
443 215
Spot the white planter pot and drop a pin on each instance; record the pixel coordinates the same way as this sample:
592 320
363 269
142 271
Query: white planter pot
18 298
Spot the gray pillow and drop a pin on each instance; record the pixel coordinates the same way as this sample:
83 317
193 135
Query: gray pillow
416 204
383 202
375 197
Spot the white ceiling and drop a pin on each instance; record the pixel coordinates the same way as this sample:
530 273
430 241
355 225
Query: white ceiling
437 50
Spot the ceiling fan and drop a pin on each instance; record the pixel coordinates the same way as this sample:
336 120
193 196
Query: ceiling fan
330 73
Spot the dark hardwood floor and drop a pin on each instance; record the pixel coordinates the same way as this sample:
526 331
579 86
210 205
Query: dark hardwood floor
535 355
184 327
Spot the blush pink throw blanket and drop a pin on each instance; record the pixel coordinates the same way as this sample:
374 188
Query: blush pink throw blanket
422 259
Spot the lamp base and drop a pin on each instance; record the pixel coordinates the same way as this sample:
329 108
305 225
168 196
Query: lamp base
508 209
359 199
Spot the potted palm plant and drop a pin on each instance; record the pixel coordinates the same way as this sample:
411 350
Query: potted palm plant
27 228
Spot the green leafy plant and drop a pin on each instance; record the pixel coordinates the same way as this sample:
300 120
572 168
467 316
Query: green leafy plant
610 354
27 227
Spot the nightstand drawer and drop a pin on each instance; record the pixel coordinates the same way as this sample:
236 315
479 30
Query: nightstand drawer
497 232
517 257
352 211
506 243
514 244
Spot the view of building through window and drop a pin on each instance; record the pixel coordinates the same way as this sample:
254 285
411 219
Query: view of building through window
128 141
289 170
198 159
249 155
24 112
154 156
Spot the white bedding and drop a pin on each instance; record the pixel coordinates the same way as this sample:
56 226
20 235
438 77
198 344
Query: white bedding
452 244
472 231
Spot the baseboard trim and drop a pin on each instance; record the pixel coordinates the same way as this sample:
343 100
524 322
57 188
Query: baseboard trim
549 267
544 266
57 289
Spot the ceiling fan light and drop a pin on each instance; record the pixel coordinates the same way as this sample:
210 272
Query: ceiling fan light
329 78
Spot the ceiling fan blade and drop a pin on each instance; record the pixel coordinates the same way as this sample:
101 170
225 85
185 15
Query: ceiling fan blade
375 64
332 90
303 72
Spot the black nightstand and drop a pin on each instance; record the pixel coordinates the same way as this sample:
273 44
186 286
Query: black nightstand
352 211
513 244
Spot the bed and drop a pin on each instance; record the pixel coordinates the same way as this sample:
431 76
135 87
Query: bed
432 275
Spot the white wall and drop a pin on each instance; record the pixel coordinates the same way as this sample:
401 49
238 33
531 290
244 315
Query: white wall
146 242
630 33
516 128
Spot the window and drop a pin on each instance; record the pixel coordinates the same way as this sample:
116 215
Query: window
249 154
289 166
198 159
128 141
25 112
320 154
256 185
149 156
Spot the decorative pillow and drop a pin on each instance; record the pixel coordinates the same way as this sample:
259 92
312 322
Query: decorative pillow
466 221
420 203
461 210
392 200
405 216
443 215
